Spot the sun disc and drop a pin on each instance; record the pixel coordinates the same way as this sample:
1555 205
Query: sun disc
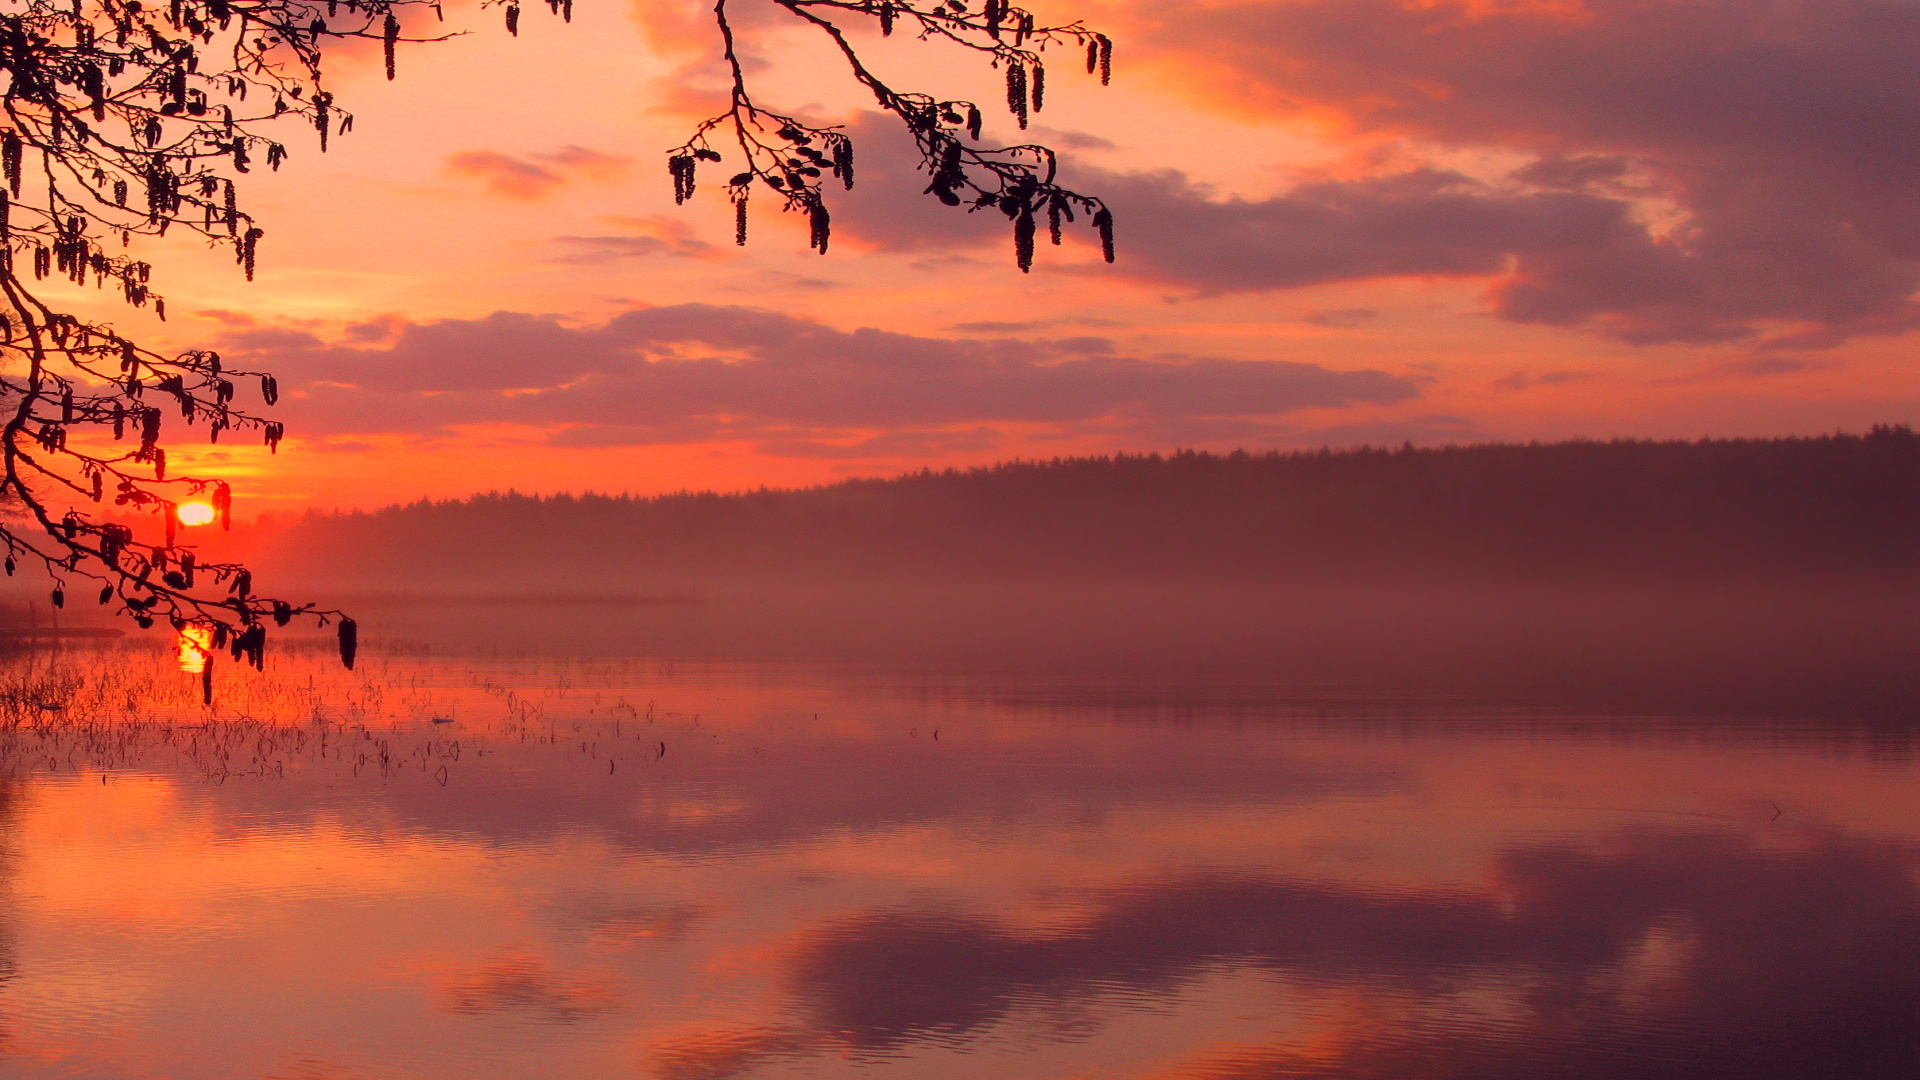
194 513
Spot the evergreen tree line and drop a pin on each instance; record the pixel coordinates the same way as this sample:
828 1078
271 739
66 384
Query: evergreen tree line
1818 506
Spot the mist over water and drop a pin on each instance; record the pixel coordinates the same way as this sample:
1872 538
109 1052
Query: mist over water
1835 651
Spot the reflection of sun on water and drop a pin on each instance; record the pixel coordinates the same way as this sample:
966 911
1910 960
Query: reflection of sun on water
196 648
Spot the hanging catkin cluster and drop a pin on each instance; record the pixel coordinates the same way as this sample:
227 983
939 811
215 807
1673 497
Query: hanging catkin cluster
794 159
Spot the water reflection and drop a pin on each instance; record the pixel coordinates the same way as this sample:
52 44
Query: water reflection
10 792
606 869
1640 952
194 644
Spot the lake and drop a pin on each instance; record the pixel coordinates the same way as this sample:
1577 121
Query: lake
517 866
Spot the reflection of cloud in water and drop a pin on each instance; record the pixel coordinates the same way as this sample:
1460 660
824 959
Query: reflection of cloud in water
526 986
1076 879
1657 954
716 1054
638 924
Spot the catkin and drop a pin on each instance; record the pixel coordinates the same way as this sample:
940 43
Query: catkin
820 225
10 147
843 162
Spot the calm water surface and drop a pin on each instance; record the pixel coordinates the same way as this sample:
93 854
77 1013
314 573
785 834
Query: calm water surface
630 868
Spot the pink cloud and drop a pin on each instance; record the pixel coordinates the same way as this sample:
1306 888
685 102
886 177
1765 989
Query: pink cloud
637 237
536 176
697 372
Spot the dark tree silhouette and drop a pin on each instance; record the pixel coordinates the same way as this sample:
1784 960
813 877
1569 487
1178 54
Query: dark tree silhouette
136 117
1829 508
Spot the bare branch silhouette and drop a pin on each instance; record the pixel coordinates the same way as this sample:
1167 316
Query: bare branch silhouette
794 159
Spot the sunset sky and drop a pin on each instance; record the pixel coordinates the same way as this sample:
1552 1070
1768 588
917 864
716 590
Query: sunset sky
1339 221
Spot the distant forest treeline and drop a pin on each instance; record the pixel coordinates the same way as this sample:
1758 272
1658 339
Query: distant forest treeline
1821 506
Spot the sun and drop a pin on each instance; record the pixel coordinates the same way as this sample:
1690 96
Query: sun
194 513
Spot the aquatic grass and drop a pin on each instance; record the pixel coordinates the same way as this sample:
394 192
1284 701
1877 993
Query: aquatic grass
127 705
